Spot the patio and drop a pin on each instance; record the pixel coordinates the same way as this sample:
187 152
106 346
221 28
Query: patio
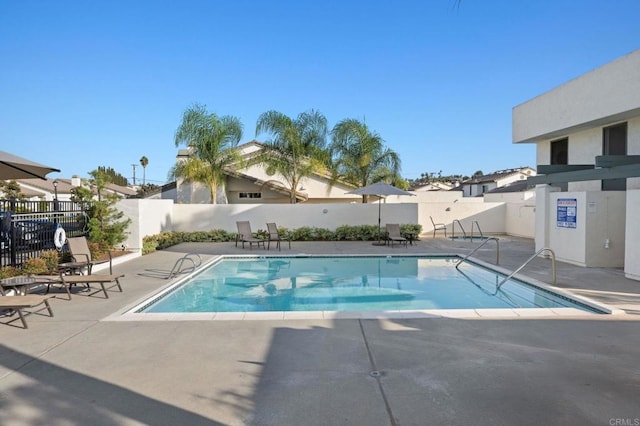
78 368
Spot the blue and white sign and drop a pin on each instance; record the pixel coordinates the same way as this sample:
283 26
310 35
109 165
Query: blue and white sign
567 212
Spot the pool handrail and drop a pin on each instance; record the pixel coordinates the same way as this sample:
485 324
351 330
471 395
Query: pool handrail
479 230
481 244
553 266
488 293
193 258
453 229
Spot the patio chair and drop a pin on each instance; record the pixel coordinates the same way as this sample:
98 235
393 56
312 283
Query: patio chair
79 249
393 235
70 280
246 236
274 235
438 227
18 303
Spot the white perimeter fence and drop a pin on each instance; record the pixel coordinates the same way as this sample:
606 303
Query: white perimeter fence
506 217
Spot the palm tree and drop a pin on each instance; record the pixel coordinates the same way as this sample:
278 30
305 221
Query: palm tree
360 156
144 161
297 148
212 141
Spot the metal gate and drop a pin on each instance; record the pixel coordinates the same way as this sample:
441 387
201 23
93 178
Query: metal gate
28 227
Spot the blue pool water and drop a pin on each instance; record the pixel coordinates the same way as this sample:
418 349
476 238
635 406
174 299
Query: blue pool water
349 284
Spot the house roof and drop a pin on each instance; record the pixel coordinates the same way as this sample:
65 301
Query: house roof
273 185
495 176
164 188
65 186
518 186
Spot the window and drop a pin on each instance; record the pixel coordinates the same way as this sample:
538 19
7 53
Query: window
250 195
614 142
560 151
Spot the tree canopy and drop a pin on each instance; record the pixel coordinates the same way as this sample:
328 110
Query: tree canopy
212 142
297 147
360 156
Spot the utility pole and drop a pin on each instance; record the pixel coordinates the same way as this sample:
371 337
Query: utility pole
134 173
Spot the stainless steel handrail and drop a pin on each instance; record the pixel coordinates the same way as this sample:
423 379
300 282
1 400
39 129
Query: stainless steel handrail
479 230
177 268
553 266
453 229
481 244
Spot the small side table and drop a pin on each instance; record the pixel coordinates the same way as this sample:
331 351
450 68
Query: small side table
411 236
73 268
20 284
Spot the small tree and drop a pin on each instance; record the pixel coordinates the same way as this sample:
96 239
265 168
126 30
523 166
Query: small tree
106 226
12 190
81 195
144 162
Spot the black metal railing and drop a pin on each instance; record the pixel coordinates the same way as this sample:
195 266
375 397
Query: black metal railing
28 227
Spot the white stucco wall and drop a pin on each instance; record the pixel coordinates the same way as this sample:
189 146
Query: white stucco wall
510 197
600 217
148 217
151 217
490 216
606 93
632 238
329 216
520 219
606 213
568 244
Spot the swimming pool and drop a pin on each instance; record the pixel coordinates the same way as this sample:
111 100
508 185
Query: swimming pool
349 283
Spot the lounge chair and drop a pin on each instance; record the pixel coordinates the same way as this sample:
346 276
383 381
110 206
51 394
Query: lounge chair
438 227
393 234
274 235
18 303
246 236
79 249
70 280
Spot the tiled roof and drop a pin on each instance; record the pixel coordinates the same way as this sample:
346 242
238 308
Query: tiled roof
495 176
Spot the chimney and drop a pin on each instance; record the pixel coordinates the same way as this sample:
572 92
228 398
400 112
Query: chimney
76 181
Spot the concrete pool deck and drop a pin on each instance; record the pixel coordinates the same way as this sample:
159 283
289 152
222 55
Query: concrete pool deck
78 368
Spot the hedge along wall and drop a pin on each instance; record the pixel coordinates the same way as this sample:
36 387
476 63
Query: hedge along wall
154 216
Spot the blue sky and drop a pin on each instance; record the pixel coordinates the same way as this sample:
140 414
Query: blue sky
101 83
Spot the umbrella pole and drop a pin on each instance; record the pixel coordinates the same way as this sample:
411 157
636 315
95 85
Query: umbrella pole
379 242
379 206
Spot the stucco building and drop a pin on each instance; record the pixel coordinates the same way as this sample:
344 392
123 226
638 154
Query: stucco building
587 136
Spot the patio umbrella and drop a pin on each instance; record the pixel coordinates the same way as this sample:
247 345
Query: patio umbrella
379 189
14 167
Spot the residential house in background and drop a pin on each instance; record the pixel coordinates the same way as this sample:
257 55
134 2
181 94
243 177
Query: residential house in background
434 186
587 136
253 184
480 185
46 190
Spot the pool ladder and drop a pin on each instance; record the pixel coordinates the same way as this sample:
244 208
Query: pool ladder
477 248
553 266
464 234
177 269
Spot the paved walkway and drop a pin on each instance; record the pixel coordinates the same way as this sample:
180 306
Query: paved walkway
77 368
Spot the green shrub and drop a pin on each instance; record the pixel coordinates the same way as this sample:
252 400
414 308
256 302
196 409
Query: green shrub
9 271
304 233
411 228
356 233
151 243
321 234
51 259
34 266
